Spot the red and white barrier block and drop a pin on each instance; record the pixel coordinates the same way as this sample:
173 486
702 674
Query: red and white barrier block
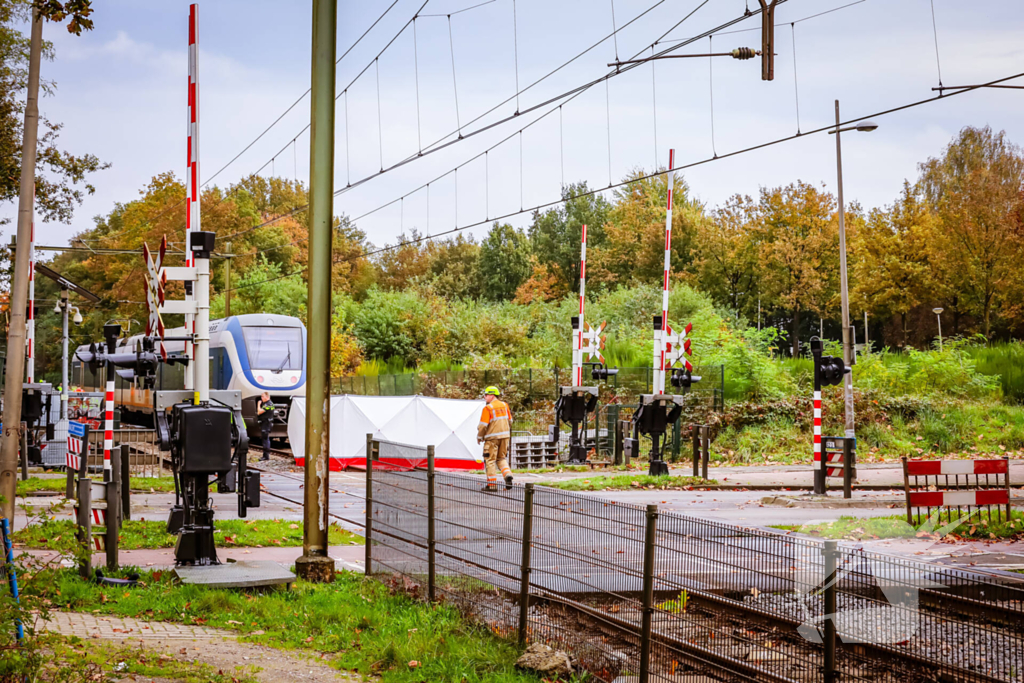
960 484
75 448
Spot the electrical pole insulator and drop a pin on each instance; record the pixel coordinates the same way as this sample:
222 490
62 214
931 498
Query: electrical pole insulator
744 53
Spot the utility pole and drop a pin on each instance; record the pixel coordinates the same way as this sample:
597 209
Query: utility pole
64 310
315 563
844 289
227 282
15 361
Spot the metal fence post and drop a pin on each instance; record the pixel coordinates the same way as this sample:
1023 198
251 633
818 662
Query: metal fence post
126 483
648 587
431 544
524 568
368 561
113 508
848 455
676 438
705 455
830 551
696 448
85 527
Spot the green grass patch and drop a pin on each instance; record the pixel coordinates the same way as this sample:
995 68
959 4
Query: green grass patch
577 468
138 534
358 623
977 526
58 484
624 482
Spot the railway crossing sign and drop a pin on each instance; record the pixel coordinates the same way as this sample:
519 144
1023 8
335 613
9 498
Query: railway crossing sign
154 289
677 346
593 341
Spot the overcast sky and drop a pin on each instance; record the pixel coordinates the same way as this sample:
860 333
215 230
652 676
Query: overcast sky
121 95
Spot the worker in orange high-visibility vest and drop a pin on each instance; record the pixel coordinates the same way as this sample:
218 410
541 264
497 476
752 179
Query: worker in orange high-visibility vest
495 433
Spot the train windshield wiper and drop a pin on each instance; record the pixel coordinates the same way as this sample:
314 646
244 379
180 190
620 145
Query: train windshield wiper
287 358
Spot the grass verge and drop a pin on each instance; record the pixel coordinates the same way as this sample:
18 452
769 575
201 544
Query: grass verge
68 658
58 484
358 623
625 482
972 527
138 534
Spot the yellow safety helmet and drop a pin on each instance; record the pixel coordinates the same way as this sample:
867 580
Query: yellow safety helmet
493 391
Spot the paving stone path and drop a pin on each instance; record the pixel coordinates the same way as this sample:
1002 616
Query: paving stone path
216 647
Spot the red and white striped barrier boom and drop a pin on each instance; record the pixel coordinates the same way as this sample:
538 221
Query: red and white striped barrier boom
577 341
30 329
192 195
658 384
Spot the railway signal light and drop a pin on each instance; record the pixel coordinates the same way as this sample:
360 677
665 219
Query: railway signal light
832 370
683 378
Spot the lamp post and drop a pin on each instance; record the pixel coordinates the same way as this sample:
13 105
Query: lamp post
938 316
866 127
64 307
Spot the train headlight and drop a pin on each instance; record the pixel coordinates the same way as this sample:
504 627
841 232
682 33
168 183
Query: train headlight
295 380
259 378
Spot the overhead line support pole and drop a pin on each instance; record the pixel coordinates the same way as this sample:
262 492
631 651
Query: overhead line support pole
315 563
16 334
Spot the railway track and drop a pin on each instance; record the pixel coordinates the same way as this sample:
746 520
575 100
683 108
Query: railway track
723 612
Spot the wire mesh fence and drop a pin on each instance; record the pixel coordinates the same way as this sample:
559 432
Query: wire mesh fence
633 591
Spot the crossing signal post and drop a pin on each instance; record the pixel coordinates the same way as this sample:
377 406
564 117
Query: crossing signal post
828 371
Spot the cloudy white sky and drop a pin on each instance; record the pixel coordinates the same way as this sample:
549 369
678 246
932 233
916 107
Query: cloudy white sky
121 95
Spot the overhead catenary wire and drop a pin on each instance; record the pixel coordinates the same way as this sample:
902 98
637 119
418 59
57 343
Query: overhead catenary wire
935 35
795 21
568 96
658 173
455 82
274 123
711 91
439 144
796 85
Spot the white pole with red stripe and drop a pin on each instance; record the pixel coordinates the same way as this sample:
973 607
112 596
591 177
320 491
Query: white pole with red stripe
659 342
30 329
192 218
817 428
577 340
108 424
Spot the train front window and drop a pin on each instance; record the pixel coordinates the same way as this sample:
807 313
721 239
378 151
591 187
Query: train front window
274 348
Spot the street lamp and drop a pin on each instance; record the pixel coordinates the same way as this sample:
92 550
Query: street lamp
864 127
938 315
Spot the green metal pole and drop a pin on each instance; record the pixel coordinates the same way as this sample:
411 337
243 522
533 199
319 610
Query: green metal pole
431 542
524 567
315 563
648 595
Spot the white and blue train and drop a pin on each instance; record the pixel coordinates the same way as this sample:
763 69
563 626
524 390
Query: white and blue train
251 353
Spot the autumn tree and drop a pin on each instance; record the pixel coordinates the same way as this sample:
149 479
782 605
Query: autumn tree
633 247
555 233
726 254
891 273
455 267
975 189
799 251
504 262
403 263
61 177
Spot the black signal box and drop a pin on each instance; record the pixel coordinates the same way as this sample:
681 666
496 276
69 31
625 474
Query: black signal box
205 439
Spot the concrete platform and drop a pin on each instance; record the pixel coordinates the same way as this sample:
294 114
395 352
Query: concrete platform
244 574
